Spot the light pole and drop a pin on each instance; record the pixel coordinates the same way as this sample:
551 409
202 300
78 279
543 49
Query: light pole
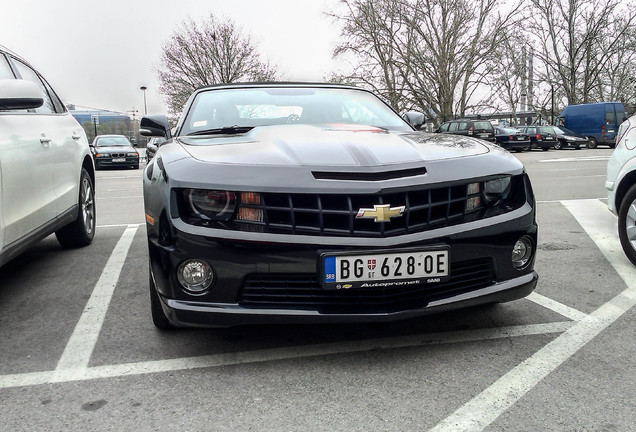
143 89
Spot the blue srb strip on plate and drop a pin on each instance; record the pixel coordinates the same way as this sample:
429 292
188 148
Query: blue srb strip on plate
330 268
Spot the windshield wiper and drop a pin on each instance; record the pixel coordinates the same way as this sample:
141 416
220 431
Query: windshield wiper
225 130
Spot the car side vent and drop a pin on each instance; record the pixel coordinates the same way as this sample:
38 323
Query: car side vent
368 176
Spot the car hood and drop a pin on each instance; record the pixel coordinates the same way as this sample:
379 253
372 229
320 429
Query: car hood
314 158
305 145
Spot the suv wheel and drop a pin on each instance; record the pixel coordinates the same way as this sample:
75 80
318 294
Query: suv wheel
81 231
627 224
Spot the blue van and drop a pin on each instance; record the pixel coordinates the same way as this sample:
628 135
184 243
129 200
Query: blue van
599 122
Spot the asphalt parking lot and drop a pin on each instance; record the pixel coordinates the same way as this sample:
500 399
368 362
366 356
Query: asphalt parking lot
78 350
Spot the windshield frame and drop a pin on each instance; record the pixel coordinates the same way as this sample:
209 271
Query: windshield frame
305 97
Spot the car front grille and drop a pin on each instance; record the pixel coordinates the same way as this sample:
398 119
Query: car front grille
118 155
303 291
335 214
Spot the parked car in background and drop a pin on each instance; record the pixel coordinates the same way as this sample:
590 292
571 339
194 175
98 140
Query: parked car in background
111 151
46 170
621 186
542 137
298 203
152 146
474 128
596 121
569 139
511 139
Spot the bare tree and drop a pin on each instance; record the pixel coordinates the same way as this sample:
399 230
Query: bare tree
206 53
617 81
368 29
430 54
508 74
573 42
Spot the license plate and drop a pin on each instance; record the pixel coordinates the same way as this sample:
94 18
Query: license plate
378 268
483 134
119 159
519 138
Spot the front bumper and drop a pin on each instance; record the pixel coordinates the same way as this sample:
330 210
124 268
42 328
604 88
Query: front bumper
279 282
108 162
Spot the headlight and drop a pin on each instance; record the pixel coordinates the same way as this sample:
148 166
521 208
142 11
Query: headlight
209 204
132 154
496 190
569 138
102 154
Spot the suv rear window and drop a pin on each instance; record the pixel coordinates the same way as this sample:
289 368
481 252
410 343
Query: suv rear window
483 125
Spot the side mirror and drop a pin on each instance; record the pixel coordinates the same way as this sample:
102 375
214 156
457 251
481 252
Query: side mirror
155 125
415 119
17 94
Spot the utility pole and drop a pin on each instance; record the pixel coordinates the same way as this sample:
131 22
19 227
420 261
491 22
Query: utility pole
143 89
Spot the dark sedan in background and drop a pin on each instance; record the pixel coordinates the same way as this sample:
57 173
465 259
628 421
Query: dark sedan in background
111 151
511 139
542 137
296 203
568 139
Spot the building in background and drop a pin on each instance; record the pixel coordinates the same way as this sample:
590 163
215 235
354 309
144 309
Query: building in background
102 122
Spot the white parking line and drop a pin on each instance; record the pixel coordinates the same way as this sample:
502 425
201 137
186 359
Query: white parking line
560 308
486 407
80 346
274 354
120 225
121 197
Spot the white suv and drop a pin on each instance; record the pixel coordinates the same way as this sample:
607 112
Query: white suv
621 186
46 167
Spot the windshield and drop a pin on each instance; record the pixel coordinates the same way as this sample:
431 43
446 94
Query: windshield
113 142
251 107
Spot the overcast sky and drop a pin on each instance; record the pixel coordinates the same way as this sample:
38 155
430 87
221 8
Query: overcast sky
99 53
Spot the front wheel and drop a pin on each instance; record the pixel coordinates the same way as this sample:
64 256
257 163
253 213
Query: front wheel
159 318
591 143
81 231
558 146
627 224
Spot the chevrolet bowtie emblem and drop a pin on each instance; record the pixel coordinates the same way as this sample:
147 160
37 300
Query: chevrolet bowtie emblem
380 213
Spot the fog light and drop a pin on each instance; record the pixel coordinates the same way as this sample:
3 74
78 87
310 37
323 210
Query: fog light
522 253
195 275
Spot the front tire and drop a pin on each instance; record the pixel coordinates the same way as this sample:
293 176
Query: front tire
159 319
558 146
627 224
81 231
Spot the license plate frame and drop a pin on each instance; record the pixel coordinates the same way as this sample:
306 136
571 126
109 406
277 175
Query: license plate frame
331 276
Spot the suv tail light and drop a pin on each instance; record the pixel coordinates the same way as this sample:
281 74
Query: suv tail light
470 131
538 137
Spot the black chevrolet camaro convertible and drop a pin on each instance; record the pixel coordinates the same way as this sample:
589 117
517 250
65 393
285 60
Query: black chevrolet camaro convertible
298 203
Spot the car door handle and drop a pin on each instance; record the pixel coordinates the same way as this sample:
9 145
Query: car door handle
76 136
44 139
